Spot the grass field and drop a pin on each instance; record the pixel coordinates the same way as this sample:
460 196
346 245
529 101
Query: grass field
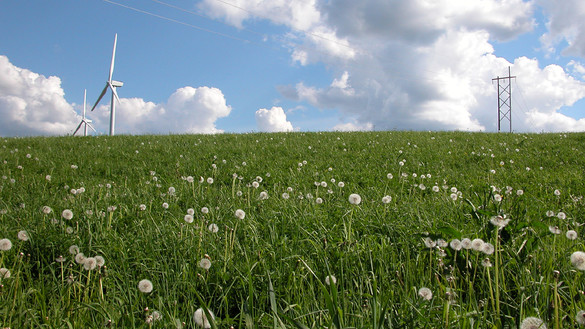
452 230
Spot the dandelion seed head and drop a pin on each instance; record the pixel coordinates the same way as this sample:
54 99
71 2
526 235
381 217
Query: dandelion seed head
145 286
240 214
425 293
571 235
557 192
47 210
532 323
318 201
205 263
355 198
4 273
209 180
561 215
486 262
22 235
165 205
79 258
5 244
188 218
387 199
263 195
554 229
330 279
550 213
205 210
201 319
255 184
580 317
285 196
67 214
90 263
477 244
100 261
341 184
455 244
578 260
500 221
488 248
213 228
74 249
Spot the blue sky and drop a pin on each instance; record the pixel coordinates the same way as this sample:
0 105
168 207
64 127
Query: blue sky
311 65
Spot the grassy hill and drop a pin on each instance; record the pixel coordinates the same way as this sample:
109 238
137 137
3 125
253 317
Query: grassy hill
163 209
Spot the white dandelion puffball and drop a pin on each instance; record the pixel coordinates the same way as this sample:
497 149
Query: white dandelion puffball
425 293
561 215
4 273
500 221
532 323
466 243
580 317
80 258
142 207
47 210
453 196
22 235
355 198
213 228
90 263
205 210
263 195
5 244
477 244
209 180
74 250
100 261
318 201
330 279
341 184
571 235
165 205
191 211
205 264
240 214
188 218
67 214
578 260
455 244
201 319
285 196
387 199
145 286
488 248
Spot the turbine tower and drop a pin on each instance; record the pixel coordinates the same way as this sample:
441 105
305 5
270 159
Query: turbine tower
85 122
112 84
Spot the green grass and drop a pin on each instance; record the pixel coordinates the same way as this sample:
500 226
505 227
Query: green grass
268 270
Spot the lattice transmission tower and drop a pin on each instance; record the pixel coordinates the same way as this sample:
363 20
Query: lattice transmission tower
504 99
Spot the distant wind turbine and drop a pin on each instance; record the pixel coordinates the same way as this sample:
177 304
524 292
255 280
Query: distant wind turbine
85 122
112 84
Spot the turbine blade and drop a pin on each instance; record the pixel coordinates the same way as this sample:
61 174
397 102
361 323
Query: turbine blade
113 58
101 95
79 126
92 128
114 91
84 101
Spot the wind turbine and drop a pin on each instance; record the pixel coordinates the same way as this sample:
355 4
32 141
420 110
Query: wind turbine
112 84
84 121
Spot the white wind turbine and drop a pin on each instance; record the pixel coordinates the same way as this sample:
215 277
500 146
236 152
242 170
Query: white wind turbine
84 121
112 84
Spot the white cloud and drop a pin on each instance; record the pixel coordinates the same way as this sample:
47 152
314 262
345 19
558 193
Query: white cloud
273 120
32 104
352 126
565 24
429 65
188 110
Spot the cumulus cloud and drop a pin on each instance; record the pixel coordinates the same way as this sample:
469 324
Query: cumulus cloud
352 126
565 24
188 110
32 104
415 64
273 120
